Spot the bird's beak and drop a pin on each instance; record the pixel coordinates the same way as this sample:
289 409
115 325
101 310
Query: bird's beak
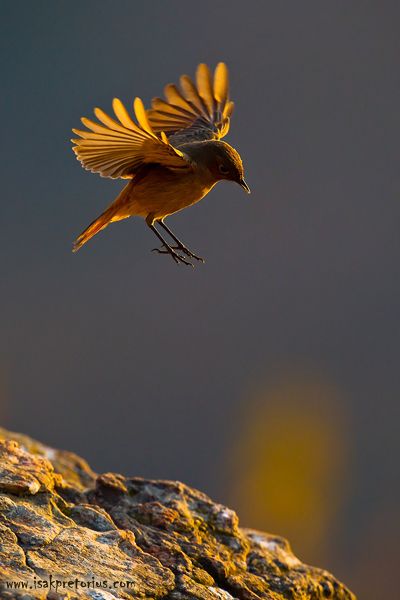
244 185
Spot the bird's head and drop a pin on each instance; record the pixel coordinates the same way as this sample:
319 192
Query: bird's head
222 161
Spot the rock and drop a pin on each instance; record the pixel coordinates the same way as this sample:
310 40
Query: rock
67 533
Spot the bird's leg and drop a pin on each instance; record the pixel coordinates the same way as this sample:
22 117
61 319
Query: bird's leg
179 244
167 248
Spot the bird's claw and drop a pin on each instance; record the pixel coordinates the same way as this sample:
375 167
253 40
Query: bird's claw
191 254
175 256
183 249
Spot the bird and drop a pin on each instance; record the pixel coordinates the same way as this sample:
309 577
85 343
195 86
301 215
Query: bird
172 155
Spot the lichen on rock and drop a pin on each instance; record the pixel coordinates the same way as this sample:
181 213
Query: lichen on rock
67 533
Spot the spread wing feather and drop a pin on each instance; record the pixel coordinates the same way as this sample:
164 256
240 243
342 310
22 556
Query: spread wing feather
198 111
119 148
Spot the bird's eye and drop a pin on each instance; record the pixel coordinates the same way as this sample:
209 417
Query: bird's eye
223 170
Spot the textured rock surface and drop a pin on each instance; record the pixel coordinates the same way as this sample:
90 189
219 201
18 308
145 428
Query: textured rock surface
67 533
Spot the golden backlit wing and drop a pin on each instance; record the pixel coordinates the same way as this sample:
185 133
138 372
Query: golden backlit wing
120 148
197 111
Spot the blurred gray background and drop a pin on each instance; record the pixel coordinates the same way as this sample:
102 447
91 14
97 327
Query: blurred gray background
268 377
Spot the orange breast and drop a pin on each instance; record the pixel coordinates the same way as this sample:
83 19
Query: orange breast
163 194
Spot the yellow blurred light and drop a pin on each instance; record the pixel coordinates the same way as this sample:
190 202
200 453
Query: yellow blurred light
288 463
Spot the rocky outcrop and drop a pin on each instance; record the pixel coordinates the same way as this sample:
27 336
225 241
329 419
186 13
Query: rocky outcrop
66 532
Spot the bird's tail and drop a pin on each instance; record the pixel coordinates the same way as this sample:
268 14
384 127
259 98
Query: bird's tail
113 213
98 224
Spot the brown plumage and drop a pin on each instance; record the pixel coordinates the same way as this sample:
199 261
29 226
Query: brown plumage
173 156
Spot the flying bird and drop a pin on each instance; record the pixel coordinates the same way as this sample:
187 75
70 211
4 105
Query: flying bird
172 154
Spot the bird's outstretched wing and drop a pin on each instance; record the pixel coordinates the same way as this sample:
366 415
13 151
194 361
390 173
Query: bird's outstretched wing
198 111
120 148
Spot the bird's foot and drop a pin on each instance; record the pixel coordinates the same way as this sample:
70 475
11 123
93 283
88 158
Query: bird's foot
188 252
175 256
